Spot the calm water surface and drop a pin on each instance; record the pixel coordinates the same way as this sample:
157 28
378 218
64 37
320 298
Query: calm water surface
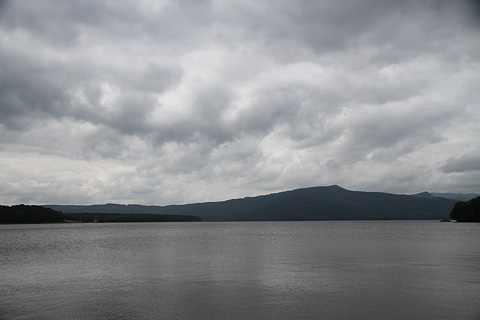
252 270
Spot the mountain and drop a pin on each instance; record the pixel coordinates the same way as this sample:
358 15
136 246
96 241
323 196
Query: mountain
424 194
315 203
456 196
452 196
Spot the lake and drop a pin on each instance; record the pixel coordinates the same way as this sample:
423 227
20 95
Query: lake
241 270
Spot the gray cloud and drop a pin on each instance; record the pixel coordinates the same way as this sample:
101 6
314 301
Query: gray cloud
464 163
178 101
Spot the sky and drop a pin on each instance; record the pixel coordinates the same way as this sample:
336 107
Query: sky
170 102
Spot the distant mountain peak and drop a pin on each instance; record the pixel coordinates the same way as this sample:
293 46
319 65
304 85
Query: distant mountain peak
452 196
423 194
335 186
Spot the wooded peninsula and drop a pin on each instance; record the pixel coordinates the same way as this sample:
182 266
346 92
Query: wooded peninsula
38 214
466 211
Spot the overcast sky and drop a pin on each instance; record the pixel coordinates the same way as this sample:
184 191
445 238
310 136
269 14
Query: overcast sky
170 102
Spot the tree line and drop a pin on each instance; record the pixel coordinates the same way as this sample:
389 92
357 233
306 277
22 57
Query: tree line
38 214
29 214
132 217
466 211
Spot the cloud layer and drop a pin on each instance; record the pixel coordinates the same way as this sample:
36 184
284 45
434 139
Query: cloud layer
159 102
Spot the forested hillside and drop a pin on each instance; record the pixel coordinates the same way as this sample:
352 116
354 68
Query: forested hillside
316 203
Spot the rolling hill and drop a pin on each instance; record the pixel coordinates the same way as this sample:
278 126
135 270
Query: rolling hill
452 196
315 203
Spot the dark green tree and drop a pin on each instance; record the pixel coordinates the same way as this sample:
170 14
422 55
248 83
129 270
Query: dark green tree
466 211
458 210
28 214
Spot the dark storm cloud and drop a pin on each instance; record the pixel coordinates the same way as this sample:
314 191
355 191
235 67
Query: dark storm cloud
465 163
228 98
29 89
397 29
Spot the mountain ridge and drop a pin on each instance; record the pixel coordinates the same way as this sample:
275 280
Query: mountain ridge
311 203
447 195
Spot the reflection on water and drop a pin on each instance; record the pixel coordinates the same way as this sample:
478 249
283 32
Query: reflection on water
251 270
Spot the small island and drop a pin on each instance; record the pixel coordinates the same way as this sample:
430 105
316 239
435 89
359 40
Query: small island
19 214
468 211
